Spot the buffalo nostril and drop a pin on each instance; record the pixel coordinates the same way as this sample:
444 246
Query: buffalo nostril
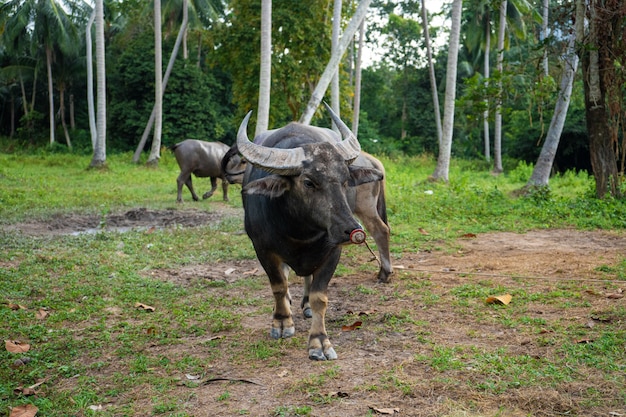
357 236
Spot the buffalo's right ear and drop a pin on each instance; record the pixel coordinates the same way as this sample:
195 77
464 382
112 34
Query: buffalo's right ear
362 175
271 186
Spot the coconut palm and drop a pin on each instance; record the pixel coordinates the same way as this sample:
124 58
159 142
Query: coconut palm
46 25
445 149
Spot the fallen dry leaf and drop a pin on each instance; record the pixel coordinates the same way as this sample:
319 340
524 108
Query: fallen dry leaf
584 341
144 307
423 231
27 410
352 327
615 296
469 236
15 346
499 299
24 391
252 271
229 271
41 314
13 306
385 410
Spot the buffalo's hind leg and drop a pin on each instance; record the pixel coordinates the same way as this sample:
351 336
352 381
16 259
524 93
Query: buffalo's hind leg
305 304
282 319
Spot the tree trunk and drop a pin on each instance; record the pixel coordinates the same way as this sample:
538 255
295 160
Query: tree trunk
90 103
443 160
357 82
486 71
431 72
497 132
603 157
50 92
265 80
155 152
168 71
541 172
346 38
62 115
544 36
99 152
334 86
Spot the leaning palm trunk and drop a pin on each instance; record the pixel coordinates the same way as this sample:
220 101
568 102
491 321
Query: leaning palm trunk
431 72
333 63
541 172
357 82
334 85
166 77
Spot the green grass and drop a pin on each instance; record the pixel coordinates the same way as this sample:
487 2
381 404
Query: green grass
91 283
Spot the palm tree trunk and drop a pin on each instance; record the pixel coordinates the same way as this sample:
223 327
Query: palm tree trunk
541 172
155 152
166 77
334 85
486 71
346 38
265 80
497 134
357 82
90 101
443 160
99 152
50 92
62 114
431 72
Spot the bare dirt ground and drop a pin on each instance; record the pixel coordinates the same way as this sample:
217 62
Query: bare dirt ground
378 371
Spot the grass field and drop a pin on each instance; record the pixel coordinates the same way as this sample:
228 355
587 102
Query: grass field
146 322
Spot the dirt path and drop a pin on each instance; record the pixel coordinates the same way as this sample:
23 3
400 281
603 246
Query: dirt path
378 370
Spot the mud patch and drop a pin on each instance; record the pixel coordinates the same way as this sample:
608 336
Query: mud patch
134 219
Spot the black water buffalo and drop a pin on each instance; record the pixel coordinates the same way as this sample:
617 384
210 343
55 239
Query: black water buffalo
203 159
297 214
367 202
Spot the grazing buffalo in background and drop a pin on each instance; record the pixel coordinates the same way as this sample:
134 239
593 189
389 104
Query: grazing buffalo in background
203 159
296 213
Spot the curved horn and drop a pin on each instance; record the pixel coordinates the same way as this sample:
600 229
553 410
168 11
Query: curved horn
273 160
349 147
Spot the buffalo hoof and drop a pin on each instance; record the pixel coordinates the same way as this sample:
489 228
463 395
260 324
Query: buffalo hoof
320 355
384 276
287 332
206 195
307 312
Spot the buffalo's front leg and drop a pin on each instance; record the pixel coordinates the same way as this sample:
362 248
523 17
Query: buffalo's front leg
213 188
282 320
320 348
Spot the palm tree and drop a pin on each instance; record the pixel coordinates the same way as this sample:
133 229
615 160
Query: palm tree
443 160
334 85
331 67
155 152
46 24
99 150
431 72
265 76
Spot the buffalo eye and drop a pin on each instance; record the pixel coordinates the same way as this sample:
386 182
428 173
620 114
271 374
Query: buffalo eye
308 184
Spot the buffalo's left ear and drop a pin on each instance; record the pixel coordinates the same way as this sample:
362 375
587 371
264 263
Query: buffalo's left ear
362 175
